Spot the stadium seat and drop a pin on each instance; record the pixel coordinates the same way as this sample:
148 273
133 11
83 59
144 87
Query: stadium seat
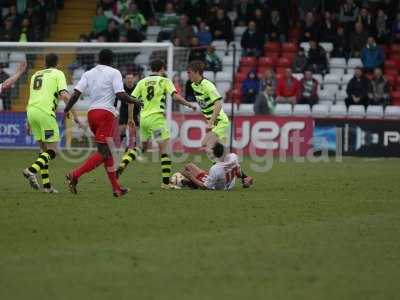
289 48
318 77
239 30
338 111
219 44
274 55
289 55
248 61
268 62
298 76
374 112
283 62
340 72
228 108
328 103
223 76
390 65
395 96
354 62
283 109
305 46
326 95
356 111
341 96
302 110
210 75
391 72
392 112
331 79
331 88
272 47
246 109
346 78
394 49
223 87
337 63
152 32
392 80
328 47
320 110
234 95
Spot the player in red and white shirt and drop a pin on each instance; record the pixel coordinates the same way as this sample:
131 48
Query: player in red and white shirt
10 81
221 176
103 83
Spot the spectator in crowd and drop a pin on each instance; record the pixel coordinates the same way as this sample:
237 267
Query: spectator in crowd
107 5
197 52
13 16
260 19
396 29
357 89
5 94
212 61
221 27
250 87
288 88
120 7
196 10
168 21
25 33
184 31
203 34
307 6
269 80
379 89
358 40
372 55
340 44
244 11
99 22
299 61
34 20
133 14
328 28
276 31
310 29
308 93
381 27
265 102
366 20
348 14
252 41
317 60
111 34
132 35
7 32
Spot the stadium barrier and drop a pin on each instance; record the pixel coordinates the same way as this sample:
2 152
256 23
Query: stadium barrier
258 135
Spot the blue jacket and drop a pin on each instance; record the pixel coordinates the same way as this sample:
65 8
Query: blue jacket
372 57
205 38
251 84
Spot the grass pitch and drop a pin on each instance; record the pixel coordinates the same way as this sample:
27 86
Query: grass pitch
305 231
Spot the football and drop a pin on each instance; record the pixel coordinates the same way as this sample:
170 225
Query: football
176 179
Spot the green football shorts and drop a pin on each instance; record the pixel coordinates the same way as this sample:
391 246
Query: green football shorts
44 127
221 130
155 127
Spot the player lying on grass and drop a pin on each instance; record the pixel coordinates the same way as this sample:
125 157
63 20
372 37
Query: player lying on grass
46 87
152 91
8 83
103 83
210 102
221 175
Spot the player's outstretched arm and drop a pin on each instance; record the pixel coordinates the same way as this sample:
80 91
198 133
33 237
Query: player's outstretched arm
183 101
20 70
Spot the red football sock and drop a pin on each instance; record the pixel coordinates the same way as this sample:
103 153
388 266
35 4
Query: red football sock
112 176
90 164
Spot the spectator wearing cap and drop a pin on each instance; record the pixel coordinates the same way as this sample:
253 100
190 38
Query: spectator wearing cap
308 92
357 88
252 41
317 60
379 89
250 87
372 55
288 88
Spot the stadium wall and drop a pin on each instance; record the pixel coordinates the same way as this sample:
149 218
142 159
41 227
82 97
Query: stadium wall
260 135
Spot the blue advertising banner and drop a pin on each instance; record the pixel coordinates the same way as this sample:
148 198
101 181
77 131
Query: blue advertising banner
13 133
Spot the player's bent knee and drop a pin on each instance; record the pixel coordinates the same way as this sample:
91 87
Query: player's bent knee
104 150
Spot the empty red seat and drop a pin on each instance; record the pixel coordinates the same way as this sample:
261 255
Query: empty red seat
390 64
392 80
394 49
272 47
395 96
281 70
269 62
289 55
234 95
289 48
392 72
274 55
248 61
284 62
240 76
246 69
